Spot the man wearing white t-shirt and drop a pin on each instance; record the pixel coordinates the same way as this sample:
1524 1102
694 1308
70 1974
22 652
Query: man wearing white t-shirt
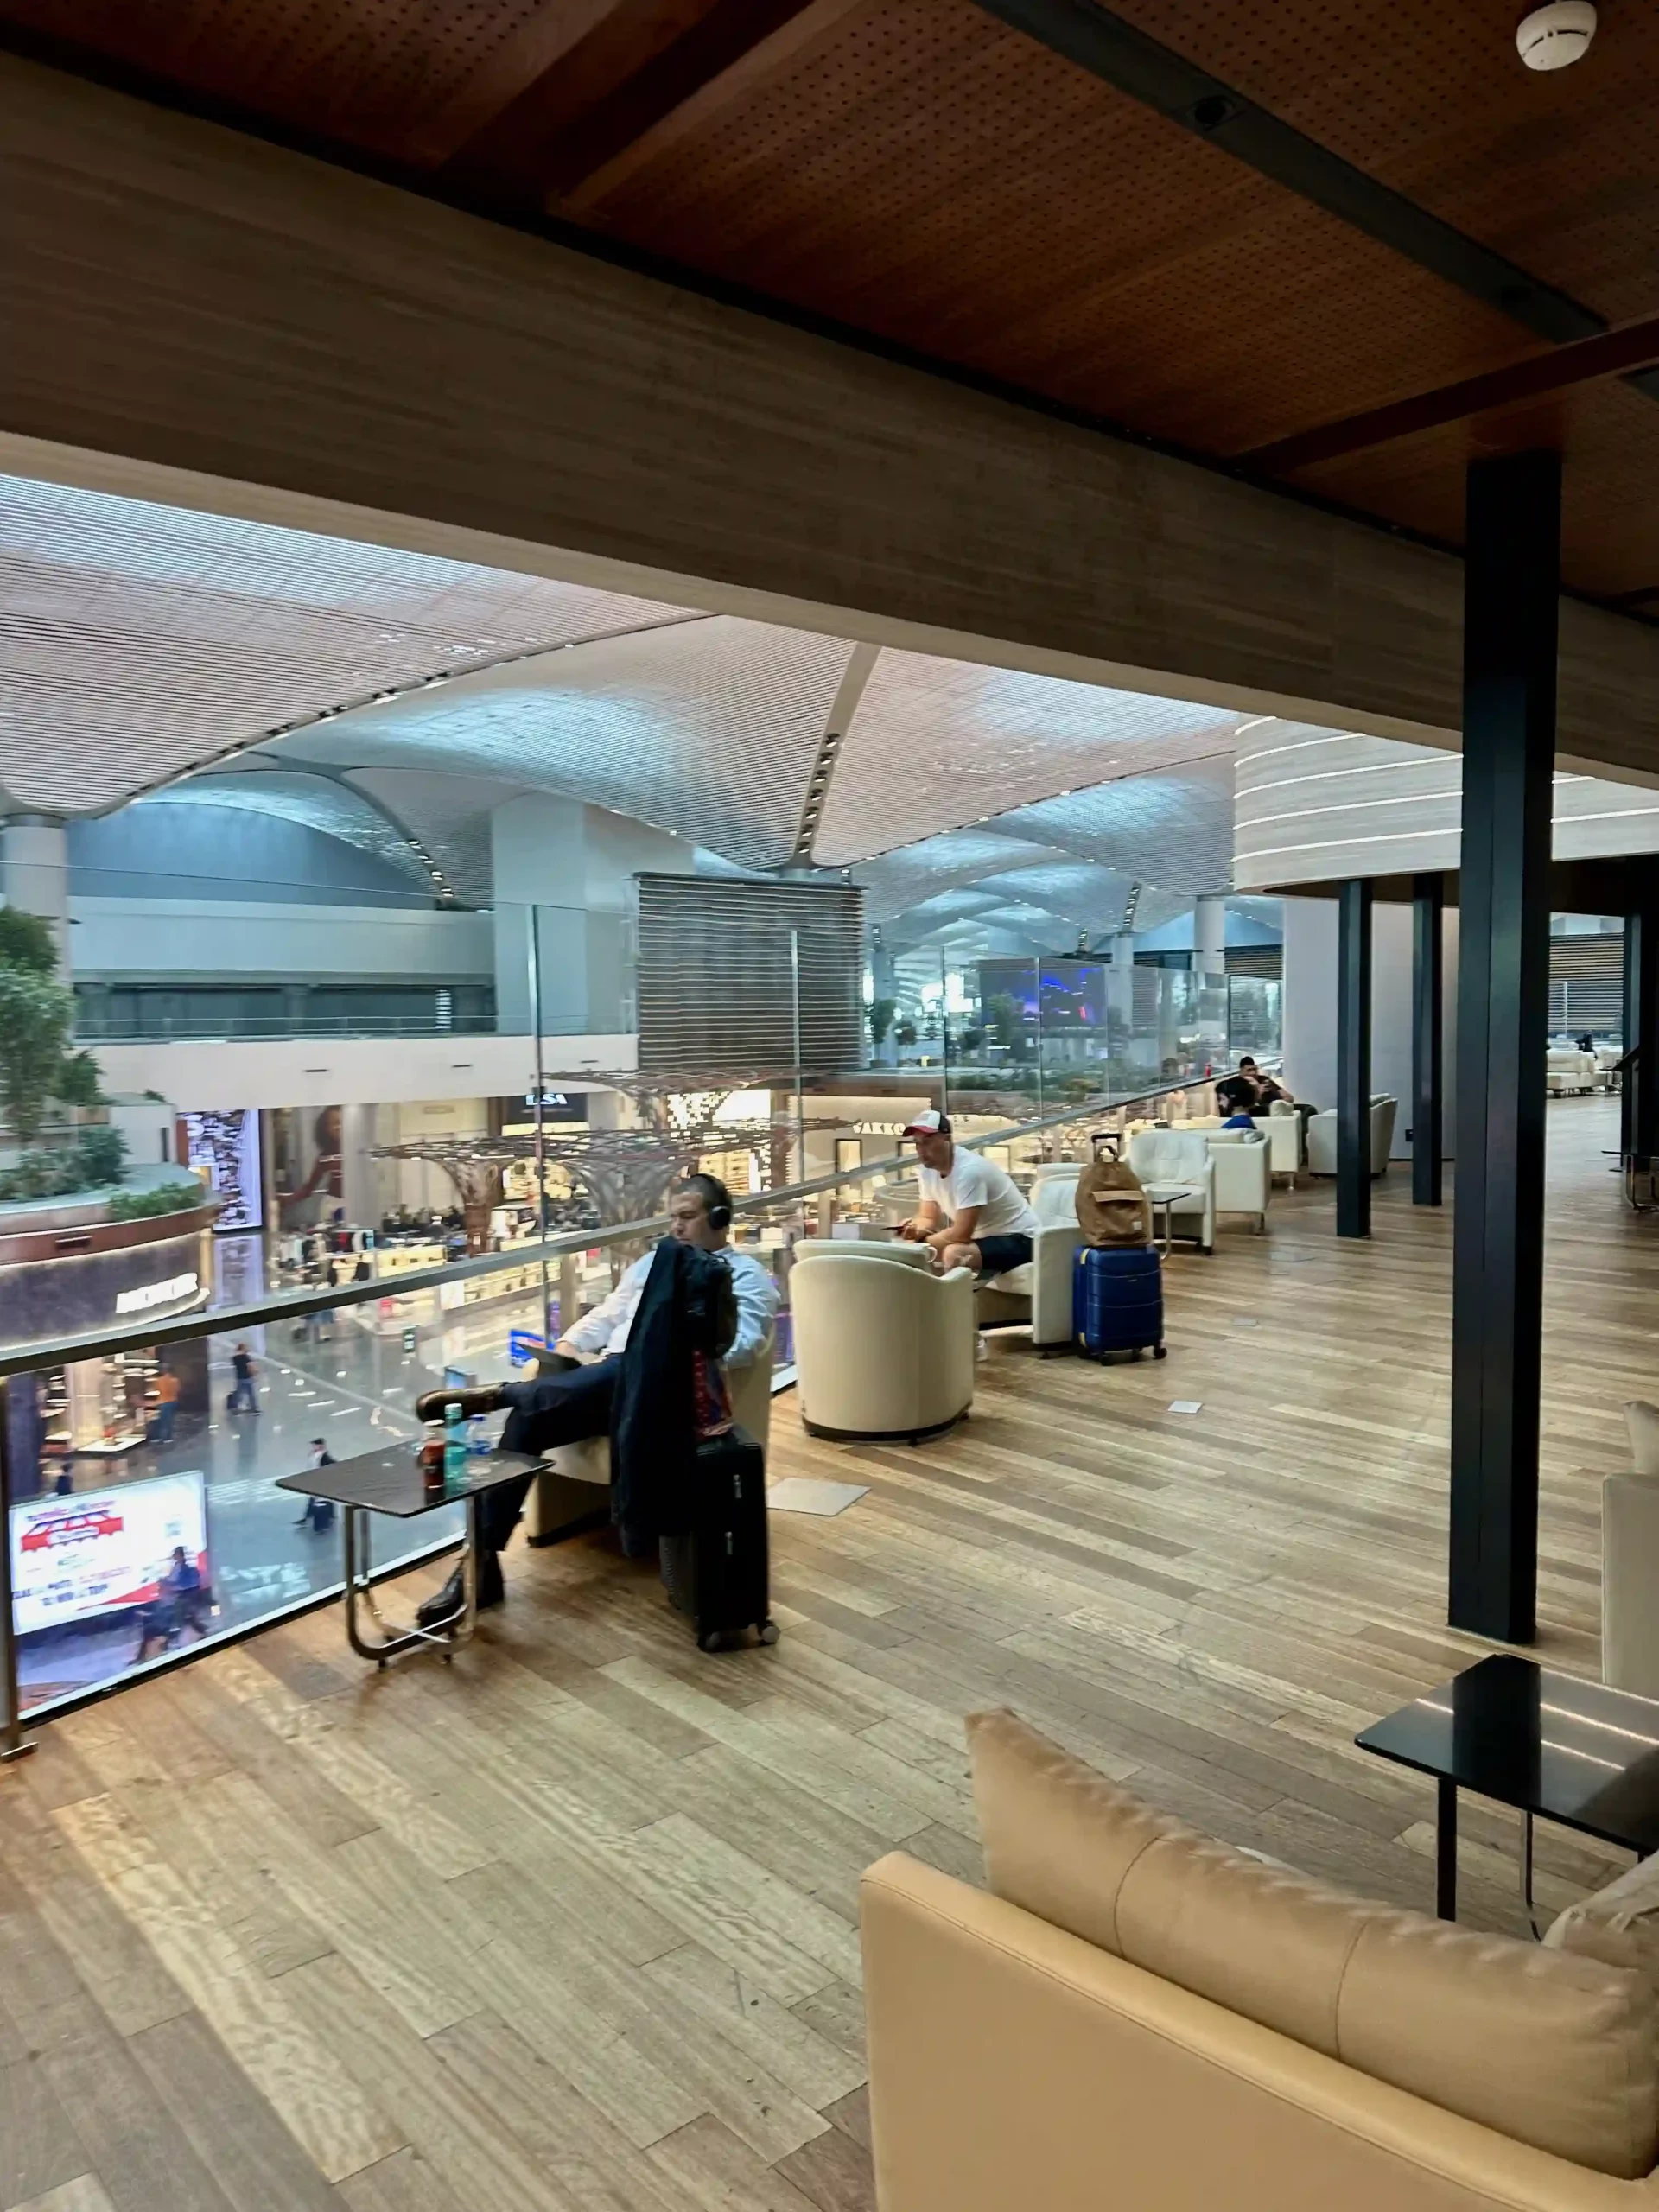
971 1211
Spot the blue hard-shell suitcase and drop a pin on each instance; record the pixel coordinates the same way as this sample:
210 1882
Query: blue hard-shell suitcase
1117 1301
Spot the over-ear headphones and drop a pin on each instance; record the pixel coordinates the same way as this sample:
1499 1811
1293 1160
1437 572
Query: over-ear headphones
717 1198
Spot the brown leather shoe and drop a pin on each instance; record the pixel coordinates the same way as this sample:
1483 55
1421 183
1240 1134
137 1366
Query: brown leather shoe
475 1398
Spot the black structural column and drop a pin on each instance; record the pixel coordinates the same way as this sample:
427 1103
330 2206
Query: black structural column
1638 1105
1354 1059
1511 584
1427 1028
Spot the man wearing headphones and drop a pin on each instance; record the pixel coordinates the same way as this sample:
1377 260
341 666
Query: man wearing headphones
574 1400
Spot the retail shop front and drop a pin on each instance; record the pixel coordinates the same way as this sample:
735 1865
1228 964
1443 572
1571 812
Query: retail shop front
61 1276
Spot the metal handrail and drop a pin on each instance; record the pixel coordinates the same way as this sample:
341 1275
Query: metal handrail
133 1336
228 1320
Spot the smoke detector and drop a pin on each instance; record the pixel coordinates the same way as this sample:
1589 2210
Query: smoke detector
1551 37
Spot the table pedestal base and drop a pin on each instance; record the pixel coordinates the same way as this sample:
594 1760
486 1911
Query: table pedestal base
386 1641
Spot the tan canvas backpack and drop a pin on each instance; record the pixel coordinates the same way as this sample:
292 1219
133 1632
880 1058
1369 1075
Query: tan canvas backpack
1113 1209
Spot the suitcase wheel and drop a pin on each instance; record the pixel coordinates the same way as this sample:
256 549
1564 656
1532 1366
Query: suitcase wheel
769 1631
1160 1351
713 1641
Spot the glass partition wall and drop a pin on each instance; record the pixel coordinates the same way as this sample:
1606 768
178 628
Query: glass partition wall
139 1463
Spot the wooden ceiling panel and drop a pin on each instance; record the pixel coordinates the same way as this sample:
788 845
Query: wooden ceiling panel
1558 169
924 173
406 79
1609 437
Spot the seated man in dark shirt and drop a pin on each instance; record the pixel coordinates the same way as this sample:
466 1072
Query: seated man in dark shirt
1240 1093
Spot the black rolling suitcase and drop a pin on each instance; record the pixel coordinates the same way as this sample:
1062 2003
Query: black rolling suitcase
717 1571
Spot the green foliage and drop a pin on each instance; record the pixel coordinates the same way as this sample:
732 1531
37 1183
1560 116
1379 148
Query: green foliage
26 941
102 1156
96 1156
36 1017
166 1198
77 1084
881 1012
905 1032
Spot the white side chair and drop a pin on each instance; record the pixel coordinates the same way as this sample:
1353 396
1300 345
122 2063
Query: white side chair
574 1488
1039 1291
1243 1169
1182 1157
883 1351
1629 1562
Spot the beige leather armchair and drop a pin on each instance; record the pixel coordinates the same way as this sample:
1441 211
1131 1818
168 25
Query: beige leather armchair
884 1348
1244 1173
1322 1137
573 1492
1040 1291
1281 1125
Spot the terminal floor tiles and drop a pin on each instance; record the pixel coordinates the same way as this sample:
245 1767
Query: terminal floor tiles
573 1923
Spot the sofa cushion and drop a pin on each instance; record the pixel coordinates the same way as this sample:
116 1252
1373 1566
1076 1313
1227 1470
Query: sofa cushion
1551 2048
1642 1421
1619 1925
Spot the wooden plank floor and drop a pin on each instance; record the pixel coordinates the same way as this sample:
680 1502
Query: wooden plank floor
573 1924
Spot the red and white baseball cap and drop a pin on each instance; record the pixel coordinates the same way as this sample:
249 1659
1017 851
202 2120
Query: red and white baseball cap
932 1123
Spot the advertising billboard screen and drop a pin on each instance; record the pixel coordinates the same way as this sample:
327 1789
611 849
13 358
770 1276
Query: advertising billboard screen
227 1145
103 1551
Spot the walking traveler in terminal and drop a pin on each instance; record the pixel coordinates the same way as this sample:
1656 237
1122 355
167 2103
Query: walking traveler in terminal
578 1399
972 1214
242 1393
167 1407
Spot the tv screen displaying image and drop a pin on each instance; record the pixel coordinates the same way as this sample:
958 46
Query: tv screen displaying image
101 1552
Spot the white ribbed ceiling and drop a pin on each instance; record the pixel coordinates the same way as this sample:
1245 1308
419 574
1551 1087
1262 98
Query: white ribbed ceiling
709 728
139 641
936 744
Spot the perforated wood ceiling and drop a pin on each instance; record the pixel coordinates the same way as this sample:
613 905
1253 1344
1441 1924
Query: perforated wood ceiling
922 171
1019 203
1557 169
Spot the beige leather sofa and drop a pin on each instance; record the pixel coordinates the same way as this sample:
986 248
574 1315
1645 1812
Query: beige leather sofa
1322 1137
1040 1291
1138 2019
1569 1071
1629 1562
884 1347
1180 1156
574 1490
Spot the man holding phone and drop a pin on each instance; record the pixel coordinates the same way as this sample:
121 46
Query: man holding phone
972 1214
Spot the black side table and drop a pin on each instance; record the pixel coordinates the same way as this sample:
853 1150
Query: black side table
1547 1744
391 1481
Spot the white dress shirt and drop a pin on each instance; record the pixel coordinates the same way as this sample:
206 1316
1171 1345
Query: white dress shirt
605 1329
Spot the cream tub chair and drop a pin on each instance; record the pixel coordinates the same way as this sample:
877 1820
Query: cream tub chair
1180 1156
1040 1291
884 1348
574 1490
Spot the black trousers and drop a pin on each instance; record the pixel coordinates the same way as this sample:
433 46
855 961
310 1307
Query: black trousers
558 1409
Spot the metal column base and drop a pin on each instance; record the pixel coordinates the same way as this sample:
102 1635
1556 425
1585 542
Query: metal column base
444 1637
